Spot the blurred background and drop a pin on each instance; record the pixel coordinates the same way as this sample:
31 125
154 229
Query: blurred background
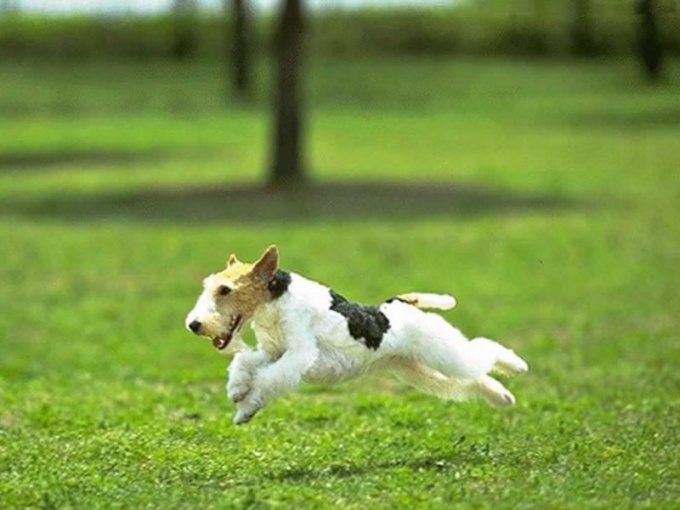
193 57
523 155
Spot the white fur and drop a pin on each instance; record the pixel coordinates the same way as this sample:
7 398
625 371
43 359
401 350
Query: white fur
300 339
425 300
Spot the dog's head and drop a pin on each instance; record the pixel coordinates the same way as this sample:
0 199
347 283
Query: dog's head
231 297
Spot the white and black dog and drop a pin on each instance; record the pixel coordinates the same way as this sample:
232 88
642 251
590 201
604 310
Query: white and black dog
307 332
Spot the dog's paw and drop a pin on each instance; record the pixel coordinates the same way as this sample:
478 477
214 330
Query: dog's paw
512 364
239 385
237 392
248 407
494 392
504 398
245 413
242 417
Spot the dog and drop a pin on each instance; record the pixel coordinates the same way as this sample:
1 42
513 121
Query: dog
307 332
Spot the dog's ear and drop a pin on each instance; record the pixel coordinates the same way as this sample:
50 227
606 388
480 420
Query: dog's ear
265 268
232 260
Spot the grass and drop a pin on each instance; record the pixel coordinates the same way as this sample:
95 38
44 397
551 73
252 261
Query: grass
544 196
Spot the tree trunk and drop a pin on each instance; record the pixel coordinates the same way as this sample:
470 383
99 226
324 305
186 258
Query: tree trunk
287 168
184 42
649 45
582 42
240 55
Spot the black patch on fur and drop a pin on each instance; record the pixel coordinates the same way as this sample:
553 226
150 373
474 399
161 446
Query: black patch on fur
392 300
366 322
279 283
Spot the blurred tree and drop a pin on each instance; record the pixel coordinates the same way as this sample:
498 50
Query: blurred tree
287 167
530 34
240 54
582 42
184 42
649 44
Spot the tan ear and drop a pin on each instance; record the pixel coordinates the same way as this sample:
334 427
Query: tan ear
265 268
232 260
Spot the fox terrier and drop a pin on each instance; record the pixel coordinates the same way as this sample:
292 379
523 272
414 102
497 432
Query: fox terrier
307 332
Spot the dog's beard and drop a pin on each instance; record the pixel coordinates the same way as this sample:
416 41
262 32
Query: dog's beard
220 342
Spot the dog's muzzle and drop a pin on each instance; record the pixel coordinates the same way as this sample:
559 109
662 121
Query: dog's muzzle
220 342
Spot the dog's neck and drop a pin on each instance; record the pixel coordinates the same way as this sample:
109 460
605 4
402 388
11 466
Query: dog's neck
267 316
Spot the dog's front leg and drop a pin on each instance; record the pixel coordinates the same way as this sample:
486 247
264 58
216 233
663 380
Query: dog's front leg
242 372
280 377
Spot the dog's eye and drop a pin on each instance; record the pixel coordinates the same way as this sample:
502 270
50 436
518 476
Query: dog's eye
223 290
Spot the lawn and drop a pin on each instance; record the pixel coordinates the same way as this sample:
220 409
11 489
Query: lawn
544 196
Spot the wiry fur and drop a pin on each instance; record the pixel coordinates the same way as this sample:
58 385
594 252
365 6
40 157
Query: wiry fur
427 300
299 338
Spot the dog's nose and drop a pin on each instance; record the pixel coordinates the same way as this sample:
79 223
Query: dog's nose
194 326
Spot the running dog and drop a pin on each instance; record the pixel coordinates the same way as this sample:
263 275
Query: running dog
307 332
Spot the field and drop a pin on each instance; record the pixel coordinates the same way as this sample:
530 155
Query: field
544 196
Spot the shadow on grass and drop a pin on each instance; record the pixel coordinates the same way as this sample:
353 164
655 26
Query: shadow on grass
327 201
301 474
629 120
38 161
452 460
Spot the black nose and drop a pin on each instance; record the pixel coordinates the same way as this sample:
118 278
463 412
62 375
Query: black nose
194 326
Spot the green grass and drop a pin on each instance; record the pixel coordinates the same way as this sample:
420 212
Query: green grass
545 197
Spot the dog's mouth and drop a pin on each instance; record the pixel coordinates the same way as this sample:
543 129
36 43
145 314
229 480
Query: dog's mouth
220 342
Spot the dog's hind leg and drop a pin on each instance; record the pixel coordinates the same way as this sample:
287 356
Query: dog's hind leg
493 392
436 343
505 360
435 383
432 382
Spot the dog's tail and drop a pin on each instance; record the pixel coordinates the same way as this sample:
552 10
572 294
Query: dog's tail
427 300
